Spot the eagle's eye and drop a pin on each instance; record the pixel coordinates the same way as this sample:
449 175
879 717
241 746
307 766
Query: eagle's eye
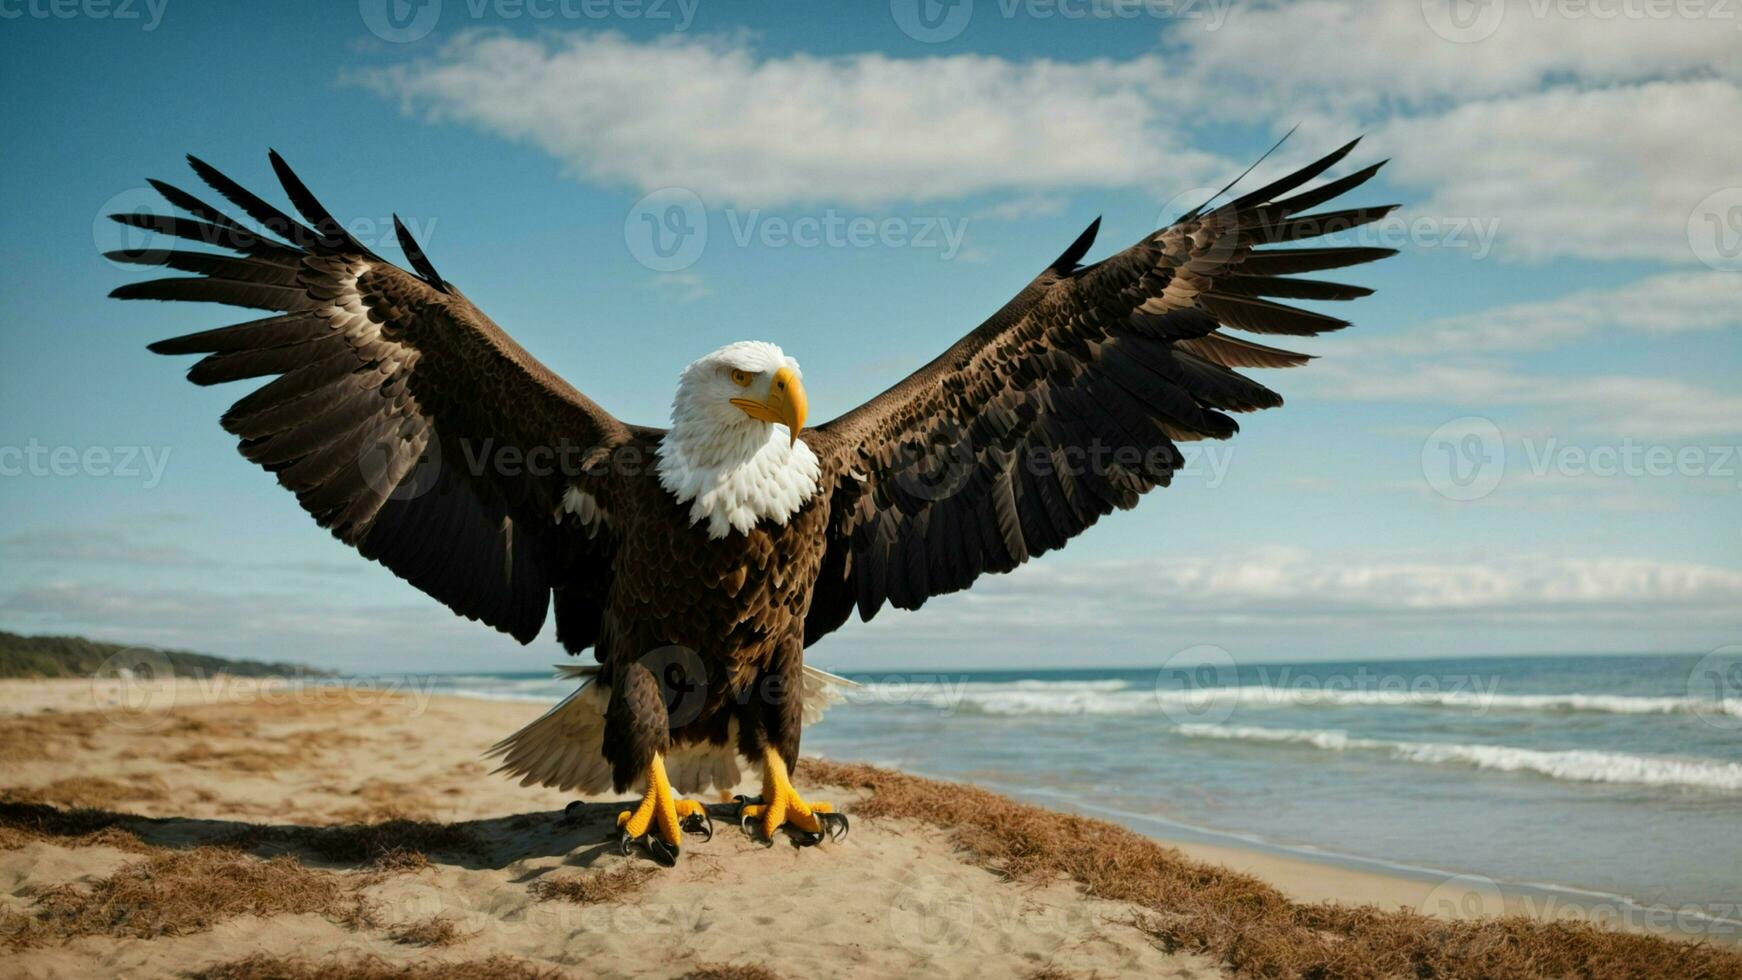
741 378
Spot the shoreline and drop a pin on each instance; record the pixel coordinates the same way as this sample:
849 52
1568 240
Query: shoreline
1311 874
380 800
1302 872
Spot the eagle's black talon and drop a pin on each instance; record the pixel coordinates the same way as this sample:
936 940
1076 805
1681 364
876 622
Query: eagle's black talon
836 824
659 850
700 822
742 801
805 838
663 853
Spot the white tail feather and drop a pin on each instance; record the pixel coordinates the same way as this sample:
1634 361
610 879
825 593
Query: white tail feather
564 747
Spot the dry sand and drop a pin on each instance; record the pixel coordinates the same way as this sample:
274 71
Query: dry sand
234 773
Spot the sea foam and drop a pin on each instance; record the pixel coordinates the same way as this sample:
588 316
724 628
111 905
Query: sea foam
1572 765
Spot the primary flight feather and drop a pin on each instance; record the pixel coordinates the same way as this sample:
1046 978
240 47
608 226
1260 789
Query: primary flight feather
698 561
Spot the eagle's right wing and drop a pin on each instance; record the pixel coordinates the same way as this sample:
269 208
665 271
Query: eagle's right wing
1068 402
403 419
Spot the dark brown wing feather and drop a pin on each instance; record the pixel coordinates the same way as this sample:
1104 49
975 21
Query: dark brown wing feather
391 404
1068 402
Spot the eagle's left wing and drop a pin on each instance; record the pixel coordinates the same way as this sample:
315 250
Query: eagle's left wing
403 418
1067 403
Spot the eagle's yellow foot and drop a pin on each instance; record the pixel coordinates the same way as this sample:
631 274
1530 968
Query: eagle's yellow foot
660 820
781 806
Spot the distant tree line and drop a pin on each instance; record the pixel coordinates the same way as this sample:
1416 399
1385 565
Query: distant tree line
75 656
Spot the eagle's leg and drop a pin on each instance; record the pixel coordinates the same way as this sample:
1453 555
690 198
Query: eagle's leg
781 805
661 818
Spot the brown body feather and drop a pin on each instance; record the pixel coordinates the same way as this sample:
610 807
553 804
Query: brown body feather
405 421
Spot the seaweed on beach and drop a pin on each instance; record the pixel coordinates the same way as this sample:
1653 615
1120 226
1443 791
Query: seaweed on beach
730 971
174 893
1247 925
436 930
594 887
262 967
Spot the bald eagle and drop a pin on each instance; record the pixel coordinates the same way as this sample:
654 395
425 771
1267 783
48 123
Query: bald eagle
698 561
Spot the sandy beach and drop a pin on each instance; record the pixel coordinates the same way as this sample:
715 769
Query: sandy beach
235 828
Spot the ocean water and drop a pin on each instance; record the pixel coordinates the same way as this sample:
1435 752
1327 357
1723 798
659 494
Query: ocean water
1617 776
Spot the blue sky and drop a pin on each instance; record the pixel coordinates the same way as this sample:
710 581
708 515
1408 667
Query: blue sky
1526 444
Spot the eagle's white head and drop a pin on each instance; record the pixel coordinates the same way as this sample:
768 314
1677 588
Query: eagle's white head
733 452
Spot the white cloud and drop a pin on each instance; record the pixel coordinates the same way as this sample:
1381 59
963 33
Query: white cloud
1293 584
1033 206
1284 603
1522 129
1589 129
1272 57
736 128
682 287
1616 173
90 545
117 545
1609 405
1677 302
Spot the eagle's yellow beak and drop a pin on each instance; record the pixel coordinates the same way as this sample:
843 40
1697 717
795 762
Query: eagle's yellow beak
786 403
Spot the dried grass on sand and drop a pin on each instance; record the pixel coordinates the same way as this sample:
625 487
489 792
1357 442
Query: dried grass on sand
593 887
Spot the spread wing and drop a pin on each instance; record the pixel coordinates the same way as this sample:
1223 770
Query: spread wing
1069 401
396 408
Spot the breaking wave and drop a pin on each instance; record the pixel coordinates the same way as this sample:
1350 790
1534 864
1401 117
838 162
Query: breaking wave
1118 697
1573 765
